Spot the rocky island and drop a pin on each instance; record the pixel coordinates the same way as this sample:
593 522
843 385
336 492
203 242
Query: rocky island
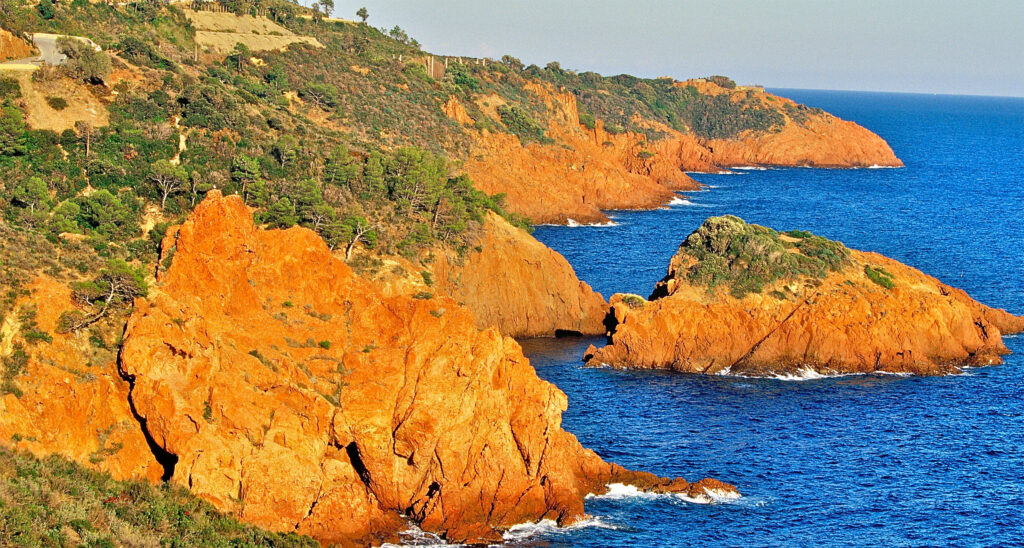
742 299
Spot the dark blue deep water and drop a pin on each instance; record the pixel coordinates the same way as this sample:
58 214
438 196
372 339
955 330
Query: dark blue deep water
845 461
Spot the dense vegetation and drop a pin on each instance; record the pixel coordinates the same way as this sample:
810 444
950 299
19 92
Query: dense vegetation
617 99
54 502
356 187
746 257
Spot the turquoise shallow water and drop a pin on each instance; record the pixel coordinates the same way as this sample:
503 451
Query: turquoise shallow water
844 461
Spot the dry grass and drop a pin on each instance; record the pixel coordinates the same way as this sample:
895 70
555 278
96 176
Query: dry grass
82 105
221 31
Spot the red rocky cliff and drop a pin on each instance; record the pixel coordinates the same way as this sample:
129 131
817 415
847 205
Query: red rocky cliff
292 392
519 285
584 171
842 323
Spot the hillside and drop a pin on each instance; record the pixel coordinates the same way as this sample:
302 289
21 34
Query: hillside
225 240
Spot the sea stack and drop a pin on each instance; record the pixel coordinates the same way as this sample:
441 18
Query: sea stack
742 299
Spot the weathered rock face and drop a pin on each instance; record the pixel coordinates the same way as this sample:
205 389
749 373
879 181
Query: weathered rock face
12 47
520 286
70 399
821 141
842 322
580 174
584 171
291 392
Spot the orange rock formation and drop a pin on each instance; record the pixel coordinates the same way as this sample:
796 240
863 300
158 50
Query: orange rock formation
584 171
290 391
844 323
823 140
73 402
13 47
520 286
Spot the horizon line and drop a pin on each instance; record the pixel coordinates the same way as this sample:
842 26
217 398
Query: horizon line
948 94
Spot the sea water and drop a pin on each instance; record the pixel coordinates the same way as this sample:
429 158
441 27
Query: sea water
855 460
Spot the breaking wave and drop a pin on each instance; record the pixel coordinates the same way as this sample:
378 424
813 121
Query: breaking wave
809 374
414 536
524 531
621 491
574 224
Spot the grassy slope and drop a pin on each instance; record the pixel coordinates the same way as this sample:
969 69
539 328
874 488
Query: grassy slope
54 502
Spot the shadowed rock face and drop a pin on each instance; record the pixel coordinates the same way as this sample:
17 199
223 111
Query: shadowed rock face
855 313
292 392
520 286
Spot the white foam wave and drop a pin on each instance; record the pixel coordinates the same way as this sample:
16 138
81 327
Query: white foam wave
680 201
876 166
810 374
572 223
621 491
524 531
414 536
751 168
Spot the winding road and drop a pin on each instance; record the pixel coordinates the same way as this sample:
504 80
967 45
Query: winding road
49 53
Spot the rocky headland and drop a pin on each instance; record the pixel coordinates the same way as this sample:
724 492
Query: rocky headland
584 168
742 299
263 375
524 288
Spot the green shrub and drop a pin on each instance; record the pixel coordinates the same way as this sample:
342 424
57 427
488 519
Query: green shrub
634 301
521 124
587 120
746 257
723 81
9 88
55 502
57 103
880 276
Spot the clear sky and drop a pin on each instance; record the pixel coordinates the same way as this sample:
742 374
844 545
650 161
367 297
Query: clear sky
934 46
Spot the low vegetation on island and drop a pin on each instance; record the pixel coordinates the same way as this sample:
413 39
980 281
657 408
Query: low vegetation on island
745 258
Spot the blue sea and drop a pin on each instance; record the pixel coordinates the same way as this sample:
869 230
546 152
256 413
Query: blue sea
849 461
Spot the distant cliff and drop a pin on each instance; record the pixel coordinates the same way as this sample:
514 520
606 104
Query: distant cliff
582 167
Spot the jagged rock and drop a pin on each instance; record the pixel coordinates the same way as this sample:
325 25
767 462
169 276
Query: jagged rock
584 171
72 402
290 391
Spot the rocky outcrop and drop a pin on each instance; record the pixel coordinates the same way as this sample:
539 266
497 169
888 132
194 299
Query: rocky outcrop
584 171
65 396
519 285
290 391
822 140
793 303
13 47
576 176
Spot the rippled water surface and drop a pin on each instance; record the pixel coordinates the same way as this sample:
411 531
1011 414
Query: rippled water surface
844 461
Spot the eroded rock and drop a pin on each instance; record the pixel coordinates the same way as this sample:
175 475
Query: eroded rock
745 300
293 393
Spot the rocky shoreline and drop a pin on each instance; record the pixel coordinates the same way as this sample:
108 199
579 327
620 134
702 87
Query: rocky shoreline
746 300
